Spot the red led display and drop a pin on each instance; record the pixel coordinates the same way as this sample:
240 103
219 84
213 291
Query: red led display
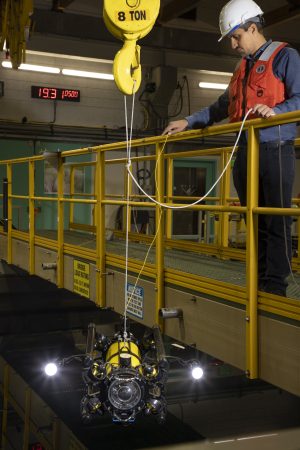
52 93
36 446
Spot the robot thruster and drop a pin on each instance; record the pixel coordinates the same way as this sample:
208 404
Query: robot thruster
124 377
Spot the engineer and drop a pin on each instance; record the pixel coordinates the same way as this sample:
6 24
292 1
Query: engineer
266 80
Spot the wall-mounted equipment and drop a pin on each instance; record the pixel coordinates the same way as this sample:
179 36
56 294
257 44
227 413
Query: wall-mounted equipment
53 93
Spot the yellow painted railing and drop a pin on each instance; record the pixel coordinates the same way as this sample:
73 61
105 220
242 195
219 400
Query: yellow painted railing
99 199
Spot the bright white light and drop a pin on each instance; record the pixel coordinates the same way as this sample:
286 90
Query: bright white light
197 372
50 369
85 74
32 67
215 72
205 85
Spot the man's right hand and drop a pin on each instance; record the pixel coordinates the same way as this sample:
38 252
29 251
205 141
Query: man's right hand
176 127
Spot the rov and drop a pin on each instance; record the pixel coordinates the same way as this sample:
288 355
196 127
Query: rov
124 377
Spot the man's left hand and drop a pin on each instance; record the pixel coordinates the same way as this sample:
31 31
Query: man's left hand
263 111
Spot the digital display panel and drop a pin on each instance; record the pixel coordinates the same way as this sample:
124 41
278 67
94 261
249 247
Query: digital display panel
53 93
36 446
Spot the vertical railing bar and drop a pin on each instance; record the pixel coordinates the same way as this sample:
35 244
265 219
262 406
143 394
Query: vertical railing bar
9 213
60 222
252 254
169 212
27 418
31 218
159 220
225 192
100 231
5 406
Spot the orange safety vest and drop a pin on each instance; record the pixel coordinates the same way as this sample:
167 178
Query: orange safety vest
262 85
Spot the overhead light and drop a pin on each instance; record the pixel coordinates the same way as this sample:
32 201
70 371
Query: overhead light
70 57
215 72
174 344
205 85
85 74
32 67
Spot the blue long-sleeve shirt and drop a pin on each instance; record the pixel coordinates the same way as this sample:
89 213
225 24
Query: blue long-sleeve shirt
286 67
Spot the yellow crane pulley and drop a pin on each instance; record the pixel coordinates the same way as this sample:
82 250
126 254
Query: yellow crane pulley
15 27
129 20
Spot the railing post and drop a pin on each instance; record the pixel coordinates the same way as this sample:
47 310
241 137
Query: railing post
298 234
224 194
27 418
72 190
31 218
60 222
56 433
159 221
5 406
9 213
100 230
252 254
5 204
169 212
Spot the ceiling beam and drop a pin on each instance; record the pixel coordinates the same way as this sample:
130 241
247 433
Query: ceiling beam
175 9
283 14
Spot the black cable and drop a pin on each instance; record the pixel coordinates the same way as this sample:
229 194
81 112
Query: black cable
156 113
180 101
188 93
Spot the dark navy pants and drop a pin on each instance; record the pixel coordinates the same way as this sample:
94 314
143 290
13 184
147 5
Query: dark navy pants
276 177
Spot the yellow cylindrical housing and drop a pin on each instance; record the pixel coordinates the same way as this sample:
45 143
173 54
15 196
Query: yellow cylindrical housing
117 348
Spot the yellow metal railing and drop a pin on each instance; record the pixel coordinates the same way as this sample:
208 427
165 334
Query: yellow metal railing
99 199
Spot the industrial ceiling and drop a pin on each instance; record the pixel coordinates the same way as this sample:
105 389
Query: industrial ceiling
198 19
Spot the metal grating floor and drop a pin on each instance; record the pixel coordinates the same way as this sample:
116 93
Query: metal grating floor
229 271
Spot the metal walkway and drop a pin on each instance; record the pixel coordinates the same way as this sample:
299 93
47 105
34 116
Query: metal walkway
225 270
214 285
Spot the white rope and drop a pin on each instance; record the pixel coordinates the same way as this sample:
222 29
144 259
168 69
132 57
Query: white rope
156 233
128 166
164 205
128 218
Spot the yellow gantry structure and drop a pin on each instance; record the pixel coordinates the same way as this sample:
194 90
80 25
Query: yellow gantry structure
255 331
15 22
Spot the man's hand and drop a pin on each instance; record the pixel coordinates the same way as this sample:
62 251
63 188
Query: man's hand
263 111
176 126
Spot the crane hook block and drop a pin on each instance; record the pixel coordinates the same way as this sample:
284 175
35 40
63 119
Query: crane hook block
129 20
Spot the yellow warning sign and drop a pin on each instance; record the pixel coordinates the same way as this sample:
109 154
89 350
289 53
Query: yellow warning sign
81 272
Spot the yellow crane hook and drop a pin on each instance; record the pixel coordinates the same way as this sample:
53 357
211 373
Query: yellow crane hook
129 20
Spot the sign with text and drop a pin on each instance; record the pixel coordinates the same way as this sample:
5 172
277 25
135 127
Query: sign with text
135 300
81 271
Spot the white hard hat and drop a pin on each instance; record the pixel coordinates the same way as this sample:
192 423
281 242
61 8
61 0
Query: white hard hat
235 13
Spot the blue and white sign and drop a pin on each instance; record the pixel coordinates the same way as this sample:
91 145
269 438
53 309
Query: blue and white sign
135 300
